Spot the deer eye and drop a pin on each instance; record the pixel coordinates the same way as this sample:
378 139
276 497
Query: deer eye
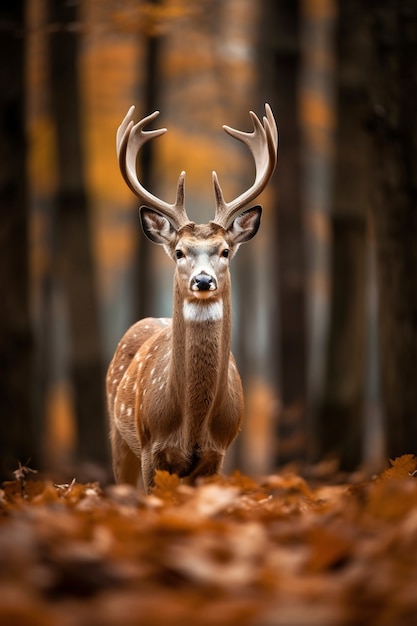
225 253
179 254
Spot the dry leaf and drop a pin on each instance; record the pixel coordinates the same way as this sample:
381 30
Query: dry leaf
230 551
402 467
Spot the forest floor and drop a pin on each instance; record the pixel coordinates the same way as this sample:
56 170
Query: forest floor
281 551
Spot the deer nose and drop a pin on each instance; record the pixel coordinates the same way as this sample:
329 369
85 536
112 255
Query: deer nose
203 282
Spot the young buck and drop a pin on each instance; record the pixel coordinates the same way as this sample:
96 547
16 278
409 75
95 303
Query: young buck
174 393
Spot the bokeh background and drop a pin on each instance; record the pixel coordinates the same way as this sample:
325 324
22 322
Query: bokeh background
325 297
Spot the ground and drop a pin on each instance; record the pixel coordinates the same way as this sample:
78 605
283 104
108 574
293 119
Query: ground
279 551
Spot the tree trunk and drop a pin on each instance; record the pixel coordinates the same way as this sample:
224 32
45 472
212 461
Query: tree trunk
394 91
17 432
281 43
144 305
73 240
341 415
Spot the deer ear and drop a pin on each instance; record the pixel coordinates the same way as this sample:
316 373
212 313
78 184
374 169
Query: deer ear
246 225
156 227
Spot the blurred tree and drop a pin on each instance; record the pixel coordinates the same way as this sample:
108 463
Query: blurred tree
316 109
73 239
150 70
17 429
393 84
279 71
340 418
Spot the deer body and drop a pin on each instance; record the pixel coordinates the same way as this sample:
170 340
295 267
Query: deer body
174 394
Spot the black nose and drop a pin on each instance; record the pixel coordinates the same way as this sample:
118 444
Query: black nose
203 282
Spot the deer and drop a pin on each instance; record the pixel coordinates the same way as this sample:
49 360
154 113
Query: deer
174 394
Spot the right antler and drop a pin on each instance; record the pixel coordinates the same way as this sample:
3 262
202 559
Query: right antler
263 144
129 140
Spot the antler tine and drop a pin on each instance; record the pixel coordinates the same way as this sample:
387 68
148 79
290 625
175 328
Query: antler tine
272 126
130 138
263 144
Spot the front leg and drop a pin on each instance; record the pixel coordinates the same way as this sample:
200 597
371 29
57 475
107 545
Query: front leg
169 459
126 465
208 463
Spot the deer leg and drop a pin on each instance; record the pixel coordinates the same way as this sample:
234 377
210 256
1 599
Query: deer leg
208 464
148 469
169 459
126 465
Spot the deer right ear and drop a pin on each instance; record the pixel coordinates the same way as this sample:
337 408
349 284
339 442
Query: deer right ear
156 227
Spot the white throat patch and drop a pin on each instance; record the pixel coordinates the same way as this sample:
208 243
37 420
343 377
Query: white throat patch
203 311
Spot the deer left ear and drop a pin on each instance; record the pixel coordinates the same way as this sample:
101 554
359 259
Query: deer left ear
245 226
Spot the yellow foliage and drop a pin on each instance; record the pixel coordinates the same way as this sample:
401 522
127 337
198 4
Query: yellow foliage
41 156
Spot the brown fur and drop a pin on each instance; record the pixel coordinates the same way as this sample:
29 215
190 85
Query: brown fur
187 405
175 397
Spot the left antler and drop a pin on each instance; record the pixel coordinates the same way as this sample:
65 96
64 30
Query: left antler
263 144
129 140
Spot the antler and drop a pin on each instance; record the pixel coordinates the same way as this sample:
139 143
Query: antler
129 140
263 144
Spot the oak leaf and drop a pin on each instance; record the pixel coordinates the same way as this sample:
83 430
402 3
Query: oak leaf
402 467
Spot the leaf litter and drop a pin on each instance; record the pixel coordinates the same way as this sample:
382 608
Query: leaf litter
278 551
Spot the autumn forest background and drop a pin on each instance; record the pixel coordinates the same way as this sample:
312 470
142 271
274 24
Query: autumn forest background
325 297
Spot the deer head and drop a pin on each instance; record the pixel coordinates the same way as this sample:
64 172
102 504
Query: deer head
185 405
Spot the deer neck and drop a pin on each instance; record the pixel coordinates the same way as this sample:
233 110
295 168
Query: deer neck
200 353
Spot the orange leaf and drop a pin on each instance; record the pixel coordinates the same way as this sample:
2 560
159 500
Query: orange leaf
166 485
402 467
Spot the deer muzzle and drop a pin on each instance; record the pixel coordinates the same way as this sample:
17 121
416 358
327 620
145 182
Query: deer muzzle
203 282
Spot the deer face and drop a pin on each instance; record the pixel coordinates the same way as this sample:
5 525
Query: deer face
201 251
202 262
